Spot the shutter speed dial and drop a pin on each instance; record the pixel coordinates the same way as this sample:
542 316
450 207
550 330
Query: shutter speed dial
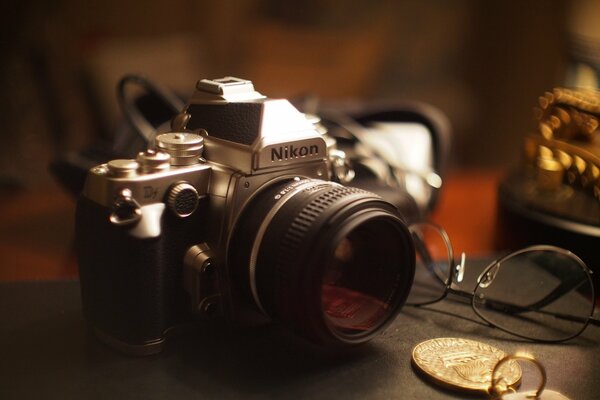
183 199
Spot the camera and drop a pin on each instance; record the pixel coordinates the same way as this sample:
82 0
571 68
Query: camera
239 213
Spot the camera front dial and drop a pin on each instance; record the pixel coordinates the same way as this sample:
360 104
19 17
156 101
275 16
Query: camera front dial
334 263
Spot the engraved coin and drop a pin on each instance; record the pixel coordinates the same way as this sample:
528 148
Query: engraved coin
463 364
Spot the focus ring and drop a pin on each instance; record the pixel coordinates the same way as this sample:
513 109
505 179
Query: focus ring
301 224
287 282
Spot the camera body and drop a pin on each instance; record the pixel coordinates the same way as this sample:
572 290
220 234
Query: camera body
182 232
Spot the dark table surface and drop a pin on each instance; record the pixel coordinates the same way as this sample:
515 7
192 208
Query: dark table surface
48 353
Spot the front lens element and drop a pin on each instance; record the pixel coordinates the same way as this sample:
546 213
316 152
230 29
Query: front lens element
360 280
541 293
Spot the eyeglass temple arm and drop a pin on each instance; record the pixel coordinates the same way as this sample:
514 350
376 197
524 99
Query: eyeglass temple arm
561 290
510 308
461 293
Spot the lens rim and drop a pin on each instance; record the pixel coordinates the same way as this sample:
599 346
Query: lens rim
559 250
398 295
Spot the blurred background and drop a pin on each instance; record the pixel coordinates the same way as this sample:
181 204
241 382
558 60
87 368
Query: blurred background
483 63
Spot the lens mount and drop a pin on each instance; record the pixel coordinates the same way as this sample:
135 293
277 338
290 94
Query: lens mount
335 263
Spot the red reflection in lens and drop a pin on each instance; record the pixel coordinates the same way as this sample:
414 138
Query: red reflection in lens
348 309
361 278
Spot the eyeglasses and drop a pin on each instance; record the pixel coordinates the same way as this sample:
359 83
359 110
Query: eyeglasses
541 293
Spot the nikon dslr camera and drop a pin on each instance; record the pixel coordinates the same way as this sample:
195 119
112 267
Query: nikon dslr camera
235 215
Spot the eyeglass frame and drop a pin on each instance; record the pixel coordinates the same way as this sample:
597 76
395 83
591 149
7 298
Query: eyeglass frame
456 272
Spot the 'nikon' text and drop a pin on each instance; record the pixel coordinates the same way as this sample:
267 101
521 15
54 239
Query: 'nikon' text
290 152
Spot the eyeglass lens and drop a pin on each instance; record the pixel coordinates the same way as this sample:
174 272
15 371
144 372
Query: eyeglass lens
434 257
542 294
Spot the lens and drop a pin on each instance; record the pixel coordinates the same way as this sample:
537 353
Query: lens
433 265
541 293
359 281
334 263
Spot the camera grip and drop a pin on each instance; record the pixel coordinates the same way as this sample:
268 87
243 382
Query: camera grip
130 287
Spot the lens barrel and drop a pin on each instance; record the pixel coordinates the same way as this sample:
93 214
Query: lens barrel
334 263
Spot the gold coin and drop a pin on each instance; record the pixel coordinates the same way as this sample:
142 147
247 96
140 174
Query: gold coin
463 364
